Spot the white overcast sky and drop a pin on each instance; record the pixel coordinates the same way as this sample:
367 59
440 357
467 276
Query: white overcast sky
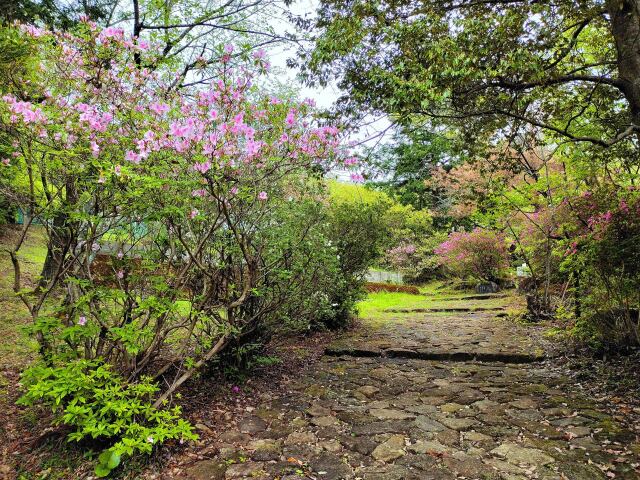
324 97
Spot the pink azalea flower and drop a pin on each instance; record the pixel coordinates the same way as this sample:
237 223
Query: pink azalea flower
132 157
357 177
291 118
95 149
202 167
178 130
159 108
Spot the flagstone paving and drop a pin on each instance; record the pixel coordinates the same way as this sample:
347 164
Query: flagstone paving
442 335
390 416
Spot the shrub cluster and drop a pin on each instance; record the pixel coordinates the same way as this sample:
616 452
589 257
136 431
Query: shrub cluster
206 207
480 254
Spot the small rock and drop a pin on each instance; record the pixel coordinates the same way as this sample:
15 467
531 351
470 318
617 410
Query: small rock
301 438
234 436
571 421
368 390
390 450
514 453
252 425
485 405
477 437
524 403
458 423
577 432
330 466
206 470
451 407
299 422
265 449
317 410
427 424
332 446
362 445
429 447
203 428
388 414
326 421
466 466
247 469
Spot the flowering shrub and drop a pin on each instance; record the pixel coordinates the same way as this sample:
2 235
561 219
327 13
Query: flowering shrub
203 202
601 249
481 254
418 262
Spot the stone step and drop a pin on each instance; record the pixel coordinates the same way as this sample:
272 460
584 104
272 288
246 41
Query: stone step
445 310
486 296
457 356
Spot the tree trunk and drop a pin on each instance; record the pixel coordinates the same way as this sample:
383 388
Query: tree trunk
61 236
56 249
625 27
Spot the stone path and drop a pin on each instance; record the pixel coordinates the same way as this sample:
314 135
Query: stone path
374 409
445 335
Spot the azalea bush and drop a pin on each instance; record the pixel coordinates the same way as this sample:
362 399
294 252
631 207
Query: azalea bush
179 222
601 253
418 261
480 254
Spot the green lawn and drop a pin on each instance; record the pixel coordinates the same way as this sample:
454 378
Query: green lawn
15 348
432 295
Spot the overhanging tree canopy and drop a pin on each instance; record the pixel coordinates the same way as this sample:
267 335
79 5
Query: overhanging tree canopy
569 67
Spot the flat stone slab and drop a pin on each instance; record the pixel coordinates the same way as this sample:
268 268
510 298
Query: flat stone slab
477 335
471 356
445 309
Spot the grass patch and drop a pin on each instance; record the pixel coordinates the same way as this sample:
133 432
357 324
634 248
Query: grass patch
432 295
16 349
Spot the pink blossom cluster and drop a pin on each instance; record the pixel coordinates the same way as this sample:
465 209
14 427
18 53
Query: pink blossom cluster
480 253
129 118
400 255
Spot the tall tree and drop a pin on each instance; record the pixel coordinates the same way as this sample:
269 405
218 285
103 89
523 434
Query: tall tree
403 166
52 13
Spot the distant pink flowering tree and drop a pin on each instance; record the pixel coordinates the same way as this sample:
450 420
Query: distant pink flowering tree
480 254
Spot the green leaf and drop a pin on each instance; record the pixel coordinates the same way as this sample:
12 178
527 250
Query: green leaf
114 460
104 457
102 471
